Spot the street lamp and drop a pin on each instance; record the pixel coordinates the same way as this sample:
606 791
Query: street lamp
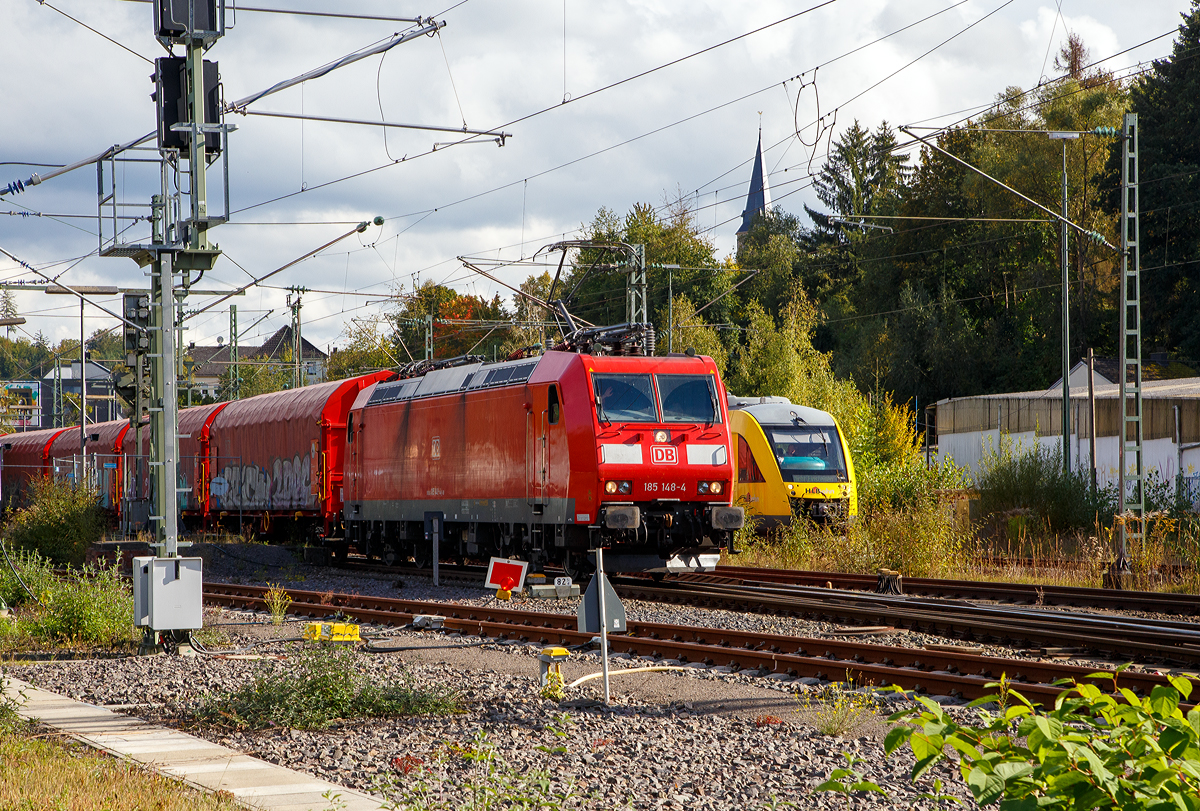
1066 312
77 291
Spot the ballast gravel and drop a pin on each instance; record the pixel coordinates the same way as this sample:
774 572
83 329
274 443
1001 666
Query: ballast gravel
697 738
693 739
259 564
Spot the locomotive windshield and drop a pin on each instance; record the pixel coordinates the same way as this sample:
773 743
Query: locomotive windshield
688 398
631 398
810 453
624 398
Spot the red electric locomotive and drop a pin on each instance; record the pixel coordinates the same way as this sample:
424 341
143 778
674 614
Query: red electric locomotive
545 458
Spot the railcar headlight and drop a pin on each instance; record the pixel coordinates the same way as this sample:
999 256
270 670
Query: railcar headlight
610 487
662 436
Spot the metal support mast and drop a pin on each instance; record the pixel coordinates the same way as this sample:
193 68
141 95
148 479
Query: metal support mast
235 378
429 337
1131 492
164 407
57 419
293 301
1066 317
635 302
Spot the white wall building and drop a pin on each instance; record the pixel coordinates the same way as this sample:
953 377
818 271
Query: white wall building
968 427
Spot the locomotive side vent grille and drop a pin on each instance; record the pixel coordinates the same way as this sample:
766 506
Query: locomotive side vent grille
448 380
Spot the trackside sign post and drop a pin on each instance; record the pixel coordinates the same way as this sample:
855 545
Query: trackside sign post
600 611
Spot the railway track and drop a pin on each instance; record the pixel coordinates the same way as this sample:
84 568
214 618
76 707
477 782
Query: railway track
1020 593
784 593
1106 637
936 672
1008 593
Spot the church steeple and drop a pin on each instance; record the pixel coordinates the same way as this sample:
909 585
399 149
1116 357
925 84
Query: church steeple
758 198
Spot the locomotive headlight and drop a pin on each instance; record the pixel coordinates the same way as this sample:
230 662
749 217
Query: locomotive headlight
610 487
705 488
662 436
715 488
625 488
622 487
702 489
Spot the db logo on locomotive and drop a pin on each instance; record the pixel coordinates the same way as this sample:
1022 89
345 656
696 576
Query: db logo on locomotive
663 455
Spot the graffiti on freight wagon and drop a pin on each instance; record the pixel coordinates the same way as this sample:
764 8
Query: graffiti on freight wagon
286 485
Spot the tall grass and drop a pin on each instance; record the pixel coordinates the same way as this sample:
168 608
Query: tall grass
91 607
1013 477
321 684
905 522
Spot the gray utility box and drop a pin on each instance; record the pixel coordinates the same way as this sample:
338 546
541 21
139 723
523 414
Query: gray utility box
168 593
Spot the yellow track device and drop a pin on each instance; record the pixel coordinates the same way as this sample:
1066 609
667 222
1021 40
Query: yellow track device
331 632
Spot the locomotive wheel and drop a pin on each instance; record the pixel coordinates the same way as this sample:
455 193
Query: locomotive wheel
422 555
577 565
389 556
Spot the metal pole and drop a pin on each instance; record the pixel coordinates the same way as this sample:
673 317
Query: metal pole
82 401
670 310
1130 350
1091 367
1178 455
600 584
234 383
164 406
1066 326
437 546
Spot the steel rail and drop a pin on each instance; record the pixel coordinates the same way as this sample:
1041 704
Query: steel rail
969 589
1105 636
1174 642
964 675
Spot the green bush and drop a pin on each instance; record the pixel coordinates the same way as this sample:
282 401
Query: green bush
60 523
908 485
21 569
1012 476
321 685
91 607
1094 750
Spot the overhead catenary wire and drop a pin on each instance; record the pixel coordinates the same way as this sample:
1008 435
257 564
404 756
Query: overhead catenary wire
357 230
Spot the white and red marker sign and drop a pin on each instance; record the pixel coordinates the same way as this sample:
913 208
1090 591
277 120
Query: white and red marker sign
506 574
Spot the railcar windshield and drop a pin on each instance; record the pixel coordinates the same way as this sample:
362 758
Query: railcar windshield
688 398
624 398
809 453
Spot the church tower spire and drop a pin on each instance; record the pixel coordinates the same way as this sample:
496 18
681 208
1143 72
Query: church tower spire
758 198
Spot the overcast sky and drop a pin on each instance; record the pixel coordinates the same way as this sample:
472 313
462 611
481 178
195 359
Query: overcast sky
687 129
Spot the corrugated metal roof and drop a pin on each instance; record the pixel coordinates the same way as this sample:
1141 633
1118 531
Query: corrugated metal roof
1178 388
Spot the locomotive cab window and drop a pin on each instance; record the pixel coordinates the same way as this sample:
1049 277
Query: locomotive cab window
688 398
624 398
811 453
552 406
